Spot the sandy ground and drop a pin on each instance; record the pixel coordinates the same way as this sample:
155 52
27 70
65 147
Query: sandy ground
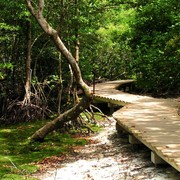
109 157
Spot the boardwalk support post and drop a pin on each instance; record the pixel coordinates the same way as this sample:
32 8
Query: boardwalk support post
111 106
156 159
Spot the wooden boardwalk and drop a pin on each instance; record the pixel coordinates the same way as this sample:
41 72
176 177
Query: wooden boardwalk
154 122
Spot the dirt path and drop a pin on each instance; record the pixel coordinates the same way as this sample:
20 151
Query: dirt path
109 157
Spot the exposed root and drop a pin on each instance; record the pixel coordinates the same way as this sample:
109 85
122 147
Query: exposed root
80 125
29 109
17 111
84 121
99 112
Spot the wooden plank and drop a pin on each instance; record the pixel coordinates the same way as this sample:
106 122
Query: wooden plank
152 121
171 147
171 154
165 140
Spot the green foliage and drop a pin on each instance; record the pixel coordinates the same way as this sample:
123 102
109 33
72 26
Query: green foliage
4 67
13 50
107 51
18 156
119 39
155 42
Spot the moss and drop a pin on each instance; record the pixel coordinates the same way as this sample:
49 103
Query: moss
18 155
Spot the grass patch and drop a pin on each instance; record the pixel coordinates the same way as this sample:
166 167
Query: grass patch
18 155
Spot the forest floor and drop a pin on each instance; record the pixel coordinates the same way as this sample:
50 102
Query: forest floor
107 156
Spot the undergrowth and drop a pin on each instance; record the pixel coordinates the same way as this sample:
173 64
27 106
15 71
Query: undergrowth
18 156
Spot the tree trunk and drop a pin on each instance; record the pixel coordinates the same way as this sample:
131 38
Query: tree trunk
70 84
60 84
27 97
77 44
74 112
58 122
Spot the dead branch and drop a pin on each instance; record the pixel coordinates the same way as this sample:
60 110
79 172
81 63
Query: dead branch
100 112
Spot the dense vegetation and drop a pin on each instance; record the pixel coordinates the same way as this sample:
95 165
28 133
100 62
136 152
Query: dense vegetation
110 40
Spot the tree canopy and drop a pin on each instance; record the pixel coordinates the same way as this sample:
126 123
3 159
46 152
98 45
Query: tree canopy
110 40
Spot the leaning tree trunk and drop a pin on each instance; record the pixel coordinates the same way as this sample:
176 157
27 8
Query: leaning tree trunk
74 112
58 122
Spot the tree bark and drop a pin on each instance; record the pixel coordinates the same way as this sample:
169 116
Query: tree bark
60 84
77 44
58 122
27 97
74 112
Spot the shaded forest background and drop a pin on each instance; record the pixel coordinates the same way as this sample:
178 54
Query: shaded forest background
119 39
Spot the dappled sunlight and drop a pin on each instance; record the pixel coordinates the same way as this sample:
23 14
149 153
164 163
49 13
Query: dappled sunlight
18 154
154 121
107 157
153 128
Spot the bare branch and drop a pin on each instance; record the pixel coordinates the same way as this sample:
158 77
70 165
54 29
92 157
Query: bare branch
58 42
74 112
36 39
39 17
30 7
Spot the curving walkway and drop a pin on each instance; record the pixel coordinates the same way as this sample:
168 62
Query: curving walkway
151 121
